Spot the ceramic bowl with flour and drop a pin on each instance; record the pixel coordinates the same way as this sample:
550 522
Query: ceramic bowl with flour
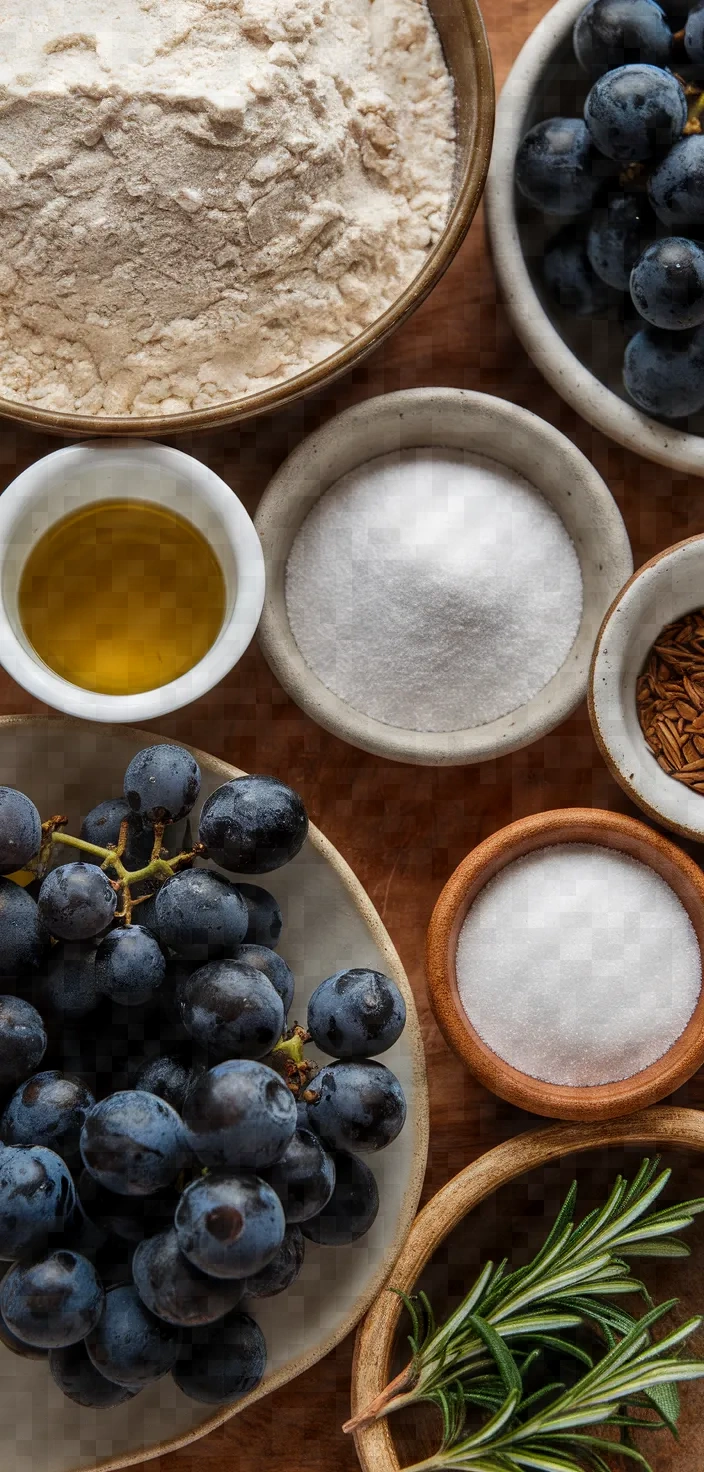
438 564
208 210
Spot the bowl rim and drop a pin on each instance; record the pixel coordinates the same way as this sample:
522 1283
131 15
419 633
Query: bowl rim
575 383
294 484
617 772
238 627
360 899
595 826
468 192
672 1127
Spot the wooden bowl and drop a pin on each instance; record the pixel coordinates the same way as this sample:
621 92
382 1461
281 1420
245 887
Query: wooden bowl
516 1219
67 766
463 38
564 825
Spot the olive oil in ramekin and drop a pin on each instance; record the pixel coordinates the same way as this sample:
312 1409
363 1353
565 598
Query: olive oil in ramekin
122 597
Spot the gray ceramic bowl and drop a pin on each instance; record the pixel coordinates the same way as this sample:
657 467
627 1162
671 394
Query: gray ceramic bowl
661 591
452 419
582 360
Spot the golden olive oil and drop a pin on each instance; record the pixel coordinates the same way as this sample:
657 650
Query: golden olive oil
121 597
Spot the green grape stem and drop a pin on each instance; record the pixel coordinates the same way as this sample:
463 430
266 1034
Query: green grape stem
159 869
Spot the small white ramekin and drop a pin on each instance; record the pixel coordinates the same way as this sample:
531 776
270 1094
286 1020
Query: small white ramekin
105 470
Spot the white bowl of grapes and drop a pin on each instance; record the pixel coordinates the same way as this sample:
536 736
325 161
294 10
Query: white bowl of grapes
213 1111
595 207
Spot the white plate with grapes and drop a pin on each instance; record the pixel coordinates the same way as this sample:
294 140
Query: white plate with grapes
212 1090
610 181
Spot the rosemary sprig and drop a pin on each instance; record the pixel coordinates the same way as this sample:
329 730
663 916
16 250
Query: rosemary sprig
553 1439
569 1282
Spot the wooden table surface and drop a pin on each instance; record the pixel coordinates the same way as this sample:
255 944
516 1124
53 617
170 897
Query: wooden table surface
403 829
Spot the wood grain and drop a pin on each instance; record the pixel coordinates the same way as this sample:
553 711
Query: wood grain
403 829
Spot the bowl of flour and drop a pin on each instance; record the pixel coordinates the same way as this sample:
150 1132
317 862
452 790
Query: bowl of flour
207 210
438 563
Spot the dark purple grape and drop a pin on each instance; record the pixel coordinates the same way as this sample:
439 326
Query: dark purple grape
77 902
274 967
201 915
37 1198
23 937
131 1218
613 33
282 1271
264 918
240 1113
356 1014
569 277
618 235
634 112
18 1347
232 1010
676 185
556 167
167 1077
67 988
20 830
667 284
80 1382
133 1143
359 1105
229 1224
663 372
102 827
303 1178
54 1302
129 965
177 1291
694 33
162 783
223 1362
253 825
352 1208
23 1040
129 1345
49 1109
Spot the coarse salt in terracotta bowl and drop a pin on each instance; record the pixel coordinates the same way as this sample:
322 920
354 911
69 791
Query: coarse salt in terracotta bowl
660 592
452 419
562 826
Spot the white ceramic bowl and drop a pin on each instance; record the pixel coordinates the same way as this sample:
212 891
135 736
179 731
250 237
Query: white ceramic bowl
68 766
58 485
454 419
671 584
581 360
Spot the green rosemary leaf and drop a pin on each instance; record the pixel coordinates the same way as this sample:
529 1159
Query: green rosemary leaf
659 1247
666 1400
505 1363
563 1346
541 1394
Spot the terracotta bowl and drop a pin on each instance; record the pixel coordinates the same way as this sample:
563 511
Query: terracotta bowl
463 37
503 1204
669 585
564 825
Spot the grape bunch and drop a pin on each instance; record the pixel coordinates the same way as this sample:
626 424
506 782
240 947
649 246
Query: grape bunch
627 179
168 1150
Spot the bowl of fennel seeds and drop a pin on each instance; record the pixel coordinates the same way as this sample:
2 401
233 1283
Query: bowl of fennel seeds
646 688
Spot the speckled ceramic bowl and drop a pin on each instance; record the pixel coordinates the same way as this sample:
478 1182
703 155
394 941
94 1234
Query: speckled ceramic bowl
669 585
581 359
452 419
67 766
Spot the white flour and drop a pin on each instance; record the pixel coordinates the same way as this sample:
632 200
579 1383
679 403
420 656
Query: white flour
200 198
